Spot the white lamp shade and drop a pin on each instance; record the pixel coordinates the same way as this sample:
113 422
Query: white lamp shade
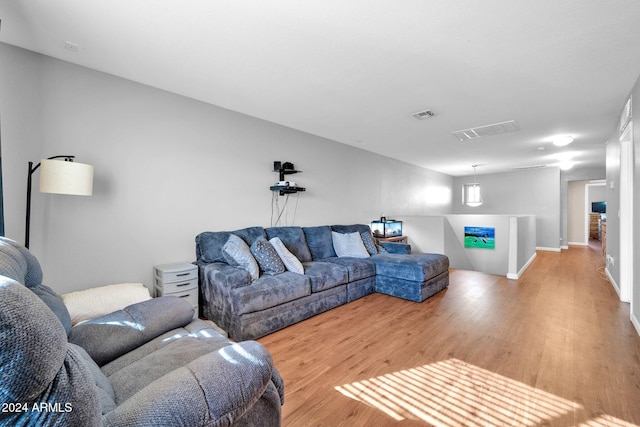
64 177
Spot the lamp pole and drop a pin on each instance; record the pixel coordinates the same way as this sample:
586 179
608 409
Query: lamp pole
32 169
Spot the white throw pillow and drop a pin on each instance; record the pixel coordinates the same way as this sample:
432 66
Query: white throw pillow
96 302
349 245
289 260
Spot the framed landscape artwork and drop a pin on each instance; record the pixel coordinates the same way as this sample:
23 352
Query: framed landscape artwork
480 237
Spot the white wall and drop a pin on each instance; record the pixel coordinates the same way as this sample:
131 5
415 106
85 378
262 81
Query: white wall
168 168
529 192
635 292
613 174
514 241
613 205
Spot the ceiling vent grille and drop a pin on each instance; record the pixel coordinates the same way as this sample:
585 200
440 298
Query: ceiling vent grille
487 130
423 114
521 168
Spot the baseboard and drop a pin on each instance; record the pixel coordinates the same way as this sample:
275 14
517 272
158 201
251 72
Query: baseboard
564 248
578 244
636 323
542 248
524 267
613 282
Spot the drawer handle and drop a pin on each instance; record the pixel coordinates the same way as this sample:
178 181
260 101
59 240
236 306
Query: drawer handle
182 274
183 284
185 296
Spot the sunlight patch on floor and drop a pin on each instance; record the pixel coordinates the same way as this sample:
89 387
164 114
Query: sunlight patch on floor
453 393
606 421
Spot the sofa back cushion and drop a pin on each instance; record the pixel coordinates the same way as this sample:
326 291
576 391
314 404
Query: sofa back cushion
320 242
345 229
55 304
19 264
209 243
293 238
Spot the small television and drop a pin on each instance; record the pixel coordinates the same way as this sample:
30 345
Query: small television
599 207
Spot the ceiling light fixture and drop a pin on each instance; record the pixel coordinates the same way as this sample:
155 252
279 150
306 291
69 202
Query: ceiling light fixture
566 165
562 140
471 192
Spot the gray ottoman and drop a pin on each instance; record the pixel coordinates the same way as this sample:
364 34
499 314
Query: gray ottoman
414 277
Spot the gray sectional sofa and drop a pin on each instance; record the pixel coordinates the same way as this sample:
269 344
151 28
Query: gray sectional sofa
249 307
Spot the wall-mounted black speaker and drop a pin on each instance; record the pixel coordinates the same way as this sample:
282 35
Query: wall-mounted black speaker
277 165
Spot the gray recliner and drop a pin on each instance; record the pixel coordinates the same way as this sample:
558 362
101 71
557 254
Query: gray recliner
149 364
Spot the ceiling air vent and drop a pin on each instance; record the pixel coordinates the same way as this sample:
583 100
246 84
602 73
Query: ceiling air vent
522 168
423 114
487 130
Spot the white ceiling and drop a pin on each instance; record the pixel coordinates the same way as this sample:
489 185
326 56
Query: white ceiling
355 70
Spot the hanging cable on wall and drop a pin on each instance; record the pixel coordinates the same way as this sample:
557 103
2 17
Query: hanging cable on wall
283 188
277 212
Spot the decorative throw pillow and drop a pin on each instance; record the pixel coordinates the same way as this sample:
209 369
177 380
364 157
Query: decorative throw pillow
98 301
289 260
369 244
236 252
381 249
349 245
267 257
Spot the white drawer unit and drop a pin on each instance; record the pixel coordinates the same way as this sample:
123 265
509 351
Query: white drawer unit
177 279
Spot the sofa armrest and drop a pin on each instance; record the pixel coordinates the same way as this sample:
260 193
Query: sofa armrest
396 247
108 337
214 390
225 276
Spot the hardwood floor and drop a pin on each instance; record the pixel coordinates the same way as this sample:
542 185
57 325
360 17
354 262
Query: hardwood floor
555 348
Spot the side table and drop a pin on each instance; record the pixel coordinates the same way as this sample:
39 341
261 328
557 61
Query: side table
396 239
177 279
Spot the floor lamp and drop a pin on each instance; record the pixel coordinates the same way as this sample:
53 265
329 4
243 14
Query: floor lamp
59 177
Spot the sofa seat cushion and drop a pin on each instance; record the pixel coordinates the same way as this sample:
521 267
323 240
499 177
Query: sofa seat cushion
358 268
269 291
175 354
412 267
325 275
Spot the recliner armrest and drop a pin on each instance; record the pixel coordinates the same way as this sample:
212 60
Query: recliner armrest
107 337
214 390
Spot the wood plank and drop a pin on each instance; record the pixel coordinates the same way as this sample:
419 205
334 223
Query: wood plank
555 348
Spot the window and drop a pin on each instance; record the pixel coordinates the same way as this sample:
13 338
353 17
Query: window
471 194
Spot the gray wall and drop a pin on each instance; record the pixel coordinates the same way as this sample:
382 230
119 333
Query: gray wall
597 193
613 205
529 192
22 141
167 168
635 292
